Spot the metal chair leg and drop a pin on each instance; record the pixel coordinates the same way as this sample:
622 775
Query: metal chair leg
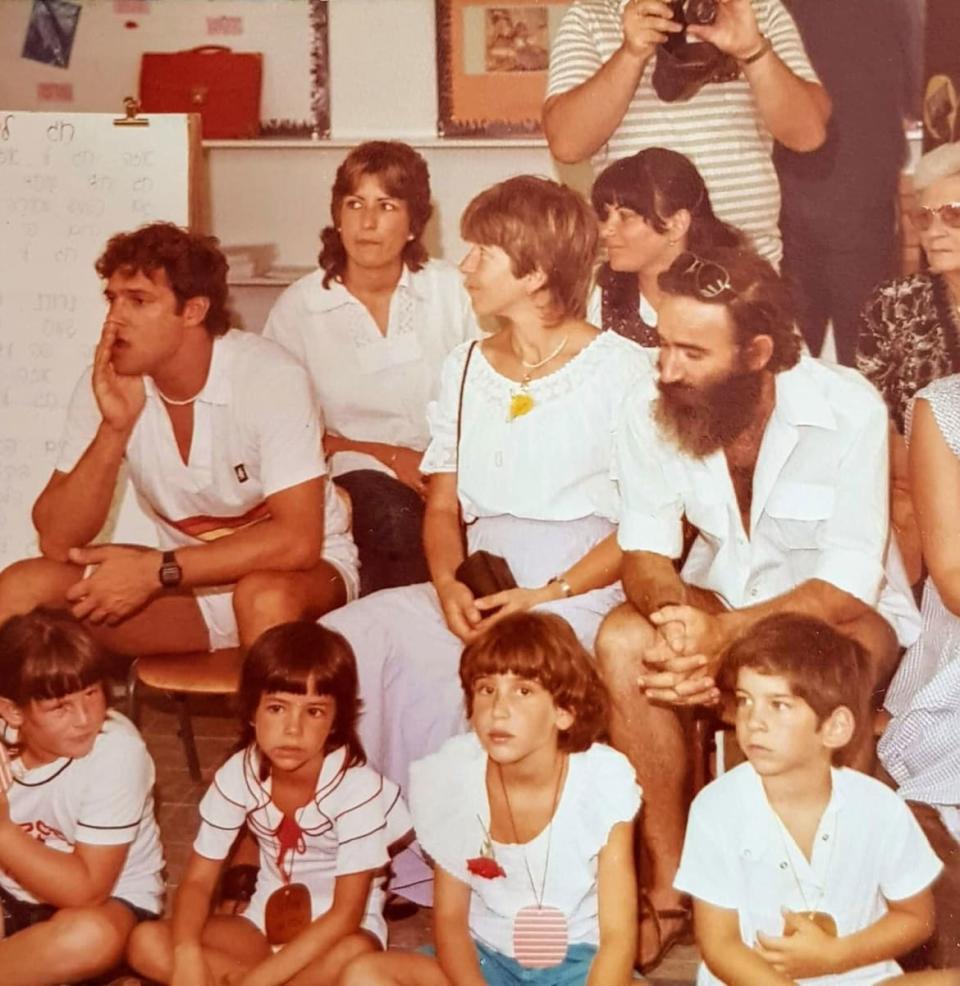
186 736
133 695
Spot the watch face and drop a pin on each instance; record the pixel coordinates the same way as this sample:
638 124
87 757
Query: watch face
170 572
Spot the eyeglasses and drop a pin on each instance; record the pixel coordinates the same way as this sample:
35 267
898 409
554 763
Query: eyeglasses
949 214
709 279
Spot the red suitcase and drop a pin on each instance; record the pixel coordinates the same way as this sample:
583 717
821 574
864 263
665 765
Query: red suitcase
223 86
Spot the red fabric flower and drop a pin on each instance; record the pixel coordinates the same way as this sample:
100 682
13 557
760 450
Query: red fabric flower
485 866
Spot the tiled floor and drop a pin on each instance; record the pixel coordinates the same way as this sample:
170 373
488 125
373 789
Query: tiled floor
177 798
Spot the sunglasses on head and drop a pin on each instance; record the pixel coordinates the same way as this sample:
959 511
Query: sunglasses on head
949 214
710 279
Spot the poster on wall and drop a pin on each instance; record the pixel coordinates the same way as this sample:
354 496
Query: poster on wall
492 61
50 32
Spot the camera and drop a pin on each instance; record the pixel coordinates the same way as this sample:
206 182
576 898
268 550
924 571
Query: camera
689 12
694 11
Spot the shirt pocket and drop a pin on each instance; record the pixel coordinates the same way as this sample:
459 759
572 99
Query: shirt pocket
799 512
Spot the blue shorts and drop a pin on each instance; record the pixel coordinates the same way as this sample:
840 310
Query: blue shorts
501 970
19 914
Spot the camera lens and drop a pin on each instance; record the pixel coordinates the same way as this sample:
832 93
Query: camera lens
700 11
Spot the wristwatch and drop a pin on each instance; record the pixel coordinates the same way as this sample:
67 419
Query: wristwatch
171 573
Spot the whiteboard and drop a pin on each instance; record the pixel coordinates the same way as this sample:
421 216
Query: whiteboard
68 181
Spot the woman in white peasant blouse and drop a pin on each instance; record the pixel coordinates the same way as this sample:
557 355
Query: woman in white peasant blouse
532 476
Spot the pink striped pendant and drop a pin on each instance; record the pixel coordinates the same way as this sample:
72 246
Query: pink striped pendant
540 937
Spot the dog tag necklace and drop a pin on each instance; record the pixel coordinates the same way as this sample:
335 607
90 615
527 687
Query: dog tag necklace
540 934
289 908
521 401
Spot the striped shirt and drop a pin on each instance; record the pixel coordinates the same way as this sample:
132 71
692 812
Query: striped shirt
719 128
919 747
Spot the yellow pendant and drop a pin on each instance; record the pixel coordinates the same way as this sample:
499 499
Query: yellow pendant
521 403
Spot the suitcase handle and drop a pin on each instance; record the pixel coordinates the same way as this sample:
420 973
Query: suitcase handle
207 49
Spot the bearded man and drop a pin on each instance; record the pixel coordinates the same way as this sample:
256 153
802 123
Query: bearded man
778 464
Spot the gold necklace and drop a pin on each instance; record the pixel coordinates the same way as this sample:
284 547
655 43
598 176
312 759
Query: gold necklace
824 921
521 401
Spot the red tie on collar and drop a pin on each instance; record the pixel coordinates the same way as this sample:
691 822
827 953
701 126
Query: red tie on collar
290 837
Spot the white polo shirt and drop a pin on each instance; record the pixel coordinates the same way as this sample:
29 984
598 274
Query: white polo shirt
719 128
868 849
102 799
255 433
820 497
371 386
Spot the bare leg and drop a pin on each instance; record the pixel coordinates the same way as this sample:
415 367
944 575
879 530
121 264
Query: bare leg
230 945
265 599
76 943
394 969
170 622
652 738
330 966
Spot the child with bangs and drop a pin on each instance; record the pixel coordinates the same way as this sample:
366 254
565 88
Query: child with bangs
325 824
802 870
529 821
80 854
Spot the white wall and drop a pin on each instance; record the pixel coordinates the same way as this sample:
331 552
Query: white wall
382 84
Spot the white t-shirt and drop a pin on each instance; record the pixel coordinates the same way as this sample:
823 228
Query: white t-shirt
355 816
255 433
448 798
102 799
719 128
820 503
868 849
372 387
552 463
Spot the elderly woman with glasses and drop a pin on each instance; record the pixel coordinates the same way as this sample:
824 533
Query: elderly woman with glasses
652 207
910 328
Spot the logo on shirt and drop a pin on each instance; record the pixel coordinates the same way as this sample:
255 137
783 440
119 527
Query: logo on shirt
240 471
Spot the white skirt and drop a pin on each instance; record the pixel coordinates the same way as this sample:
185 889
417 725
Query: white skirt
408 660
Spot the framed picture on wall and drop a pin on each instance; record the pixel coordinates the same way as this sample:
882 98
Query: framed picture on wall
320 68
492 61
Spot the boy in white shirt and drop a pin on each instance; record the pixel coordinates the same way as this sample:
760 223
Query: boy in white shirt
80 856
802 871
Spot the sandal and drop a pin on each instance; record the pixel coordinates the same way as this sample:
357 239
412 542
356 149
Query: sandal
683 935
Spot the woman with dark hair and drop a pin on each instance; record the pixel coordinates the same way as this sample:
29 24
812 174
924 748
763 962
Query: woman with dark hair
373 325
652 207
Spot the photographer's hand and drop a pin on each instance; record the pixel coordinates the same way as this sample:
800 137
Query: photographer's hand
646 24
735 30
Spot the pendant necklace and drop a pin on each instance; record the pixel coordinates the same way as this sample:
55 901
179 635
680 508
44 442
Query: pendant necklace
521 401
540 934
824 921
289 908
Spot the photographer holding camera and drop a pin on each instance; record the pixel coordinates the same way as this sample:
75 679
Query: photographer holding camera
622 80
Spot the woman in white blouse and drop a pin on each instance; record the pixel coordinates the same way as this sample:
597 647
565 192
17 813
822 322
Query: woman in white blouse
531 476
373 325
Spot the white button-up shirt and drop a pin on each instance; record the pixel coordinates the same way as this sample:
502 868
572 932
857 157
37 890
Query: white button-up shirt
370 386
820 497
868 849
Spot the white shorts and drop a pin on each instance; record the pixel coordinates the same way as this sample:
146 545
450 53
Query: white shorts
216 602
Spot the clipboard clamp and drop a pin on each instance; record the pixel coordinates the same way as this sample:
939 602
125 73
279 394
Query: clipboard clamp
130 118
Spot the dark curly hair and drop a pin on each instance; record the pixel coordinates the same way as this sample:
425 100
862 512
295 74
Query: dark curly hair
542 647
194 265
757 299
404 175
656 183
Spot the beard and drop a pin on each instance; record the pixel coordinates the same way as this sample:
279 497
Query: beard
702 420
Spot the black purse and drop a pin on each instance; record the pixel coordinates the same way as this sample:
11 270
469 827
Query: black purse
482 572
